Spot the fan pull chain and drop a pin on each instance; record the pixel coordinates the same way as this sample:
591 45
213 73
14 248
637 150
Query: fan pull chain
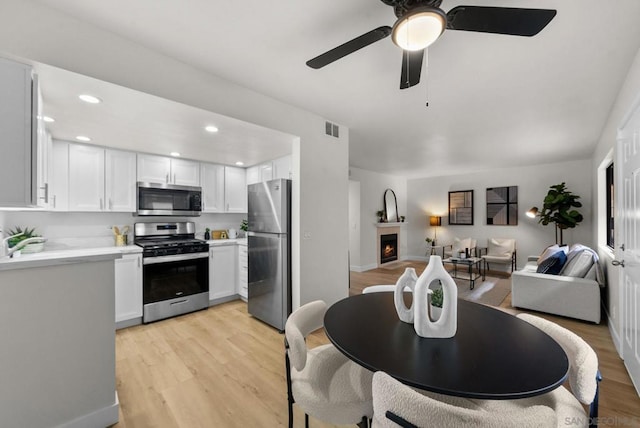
426 76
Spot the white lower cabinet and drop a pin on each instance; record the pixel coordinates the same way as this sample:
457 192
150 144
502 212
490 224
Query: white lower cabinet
222 271
243 272
128 286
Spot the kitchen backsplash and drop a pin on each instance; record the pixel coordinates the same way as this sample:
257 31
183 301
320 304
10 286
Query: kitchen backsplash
56 225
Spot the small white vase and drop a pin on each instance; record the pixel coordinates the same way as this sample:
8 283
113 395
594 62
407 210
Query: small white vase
408 279
447 324
435 313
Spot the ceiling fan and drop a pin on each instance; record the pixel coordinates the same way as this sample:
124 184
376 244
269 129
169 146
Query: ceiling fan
421 22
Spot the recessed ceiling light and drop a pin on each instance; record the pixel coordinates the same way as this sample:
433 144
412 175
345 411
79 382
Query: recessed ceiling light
211 128
90 99
48 119
239 163
175 154
83 138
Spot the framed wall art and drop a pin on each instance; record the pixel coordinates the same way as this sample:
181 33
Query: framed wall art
461 207
502 206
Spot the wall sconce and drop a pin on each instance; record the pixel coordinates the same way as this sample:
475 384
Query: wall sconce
533 212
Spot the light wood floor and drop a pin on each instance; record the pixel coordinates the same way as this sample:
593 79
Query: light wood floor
223 368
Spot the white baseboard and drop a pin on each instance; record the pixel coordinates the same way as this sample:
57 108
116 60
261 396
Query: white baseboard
104 417
364 268
614 335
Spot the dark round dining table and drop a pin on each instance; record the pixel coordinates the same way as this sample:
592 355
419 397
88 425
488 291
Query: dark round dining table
493 355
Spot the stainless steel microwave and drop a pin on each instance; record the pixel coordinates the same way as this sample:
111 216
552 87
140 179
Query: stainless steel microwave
168 199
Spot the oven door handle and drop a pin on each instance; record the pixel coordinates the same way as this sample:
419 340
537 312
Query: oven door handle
174 258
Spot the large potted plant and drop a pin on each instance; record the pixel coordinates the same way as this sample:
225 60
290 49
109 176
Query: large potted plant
558 207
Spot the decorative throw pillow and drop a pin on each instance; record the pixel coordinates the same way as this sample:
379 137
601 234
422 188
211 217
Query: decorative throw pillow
553 264
499 248
579 264
551 250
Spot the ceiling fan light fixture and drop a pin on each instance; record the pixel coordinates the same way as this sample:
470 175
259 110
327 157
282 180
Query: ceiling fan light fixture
419 28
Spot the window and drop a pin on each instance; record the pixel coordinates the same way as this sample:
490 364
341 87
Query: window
611 206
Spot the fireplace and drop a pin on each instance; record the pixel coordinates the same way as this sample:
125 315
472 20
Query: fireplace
388 248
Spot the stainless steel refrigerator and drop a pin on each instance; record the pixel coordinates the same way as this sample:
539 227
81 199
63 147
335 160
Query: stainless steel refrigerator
269 246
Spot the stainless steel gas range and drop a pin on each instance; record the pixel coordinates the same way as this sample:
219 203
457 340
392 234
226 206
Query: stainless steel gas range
175 269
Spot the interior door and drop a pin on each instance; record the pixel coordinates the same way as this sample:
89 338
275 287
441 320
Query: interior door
628 252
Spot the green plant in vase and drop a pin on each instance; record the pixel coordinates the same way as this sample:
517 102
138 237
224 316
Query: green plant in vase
380 214
244 225
25 233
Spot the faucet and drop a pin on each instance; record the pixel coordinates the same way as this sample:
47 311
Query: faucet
5 251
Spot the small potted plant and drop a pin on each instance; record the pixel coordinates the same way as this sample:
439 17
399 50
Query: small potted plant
244 226
437 298
430 241
402 219
380 214
207 233
25 233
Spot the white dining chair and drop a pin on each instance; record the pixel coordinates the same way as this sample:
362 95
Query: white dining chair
322 381
584 378
396 405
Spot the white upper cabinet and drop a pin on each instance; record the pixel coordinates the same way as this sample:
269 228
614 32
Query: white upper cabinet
99 179
266 171
160 169
235 189
86 178
120 181
282 167
277 168
212 182
253 175
154 169
19 117
185 172
59 175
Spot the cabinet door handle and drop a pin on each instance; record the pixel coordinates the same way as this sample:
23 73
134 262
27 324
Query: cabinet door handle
622 247
46 193
618 263
54 201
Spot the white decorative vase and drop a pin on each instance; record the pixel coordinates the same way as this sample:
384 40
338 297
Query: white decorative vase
408 279
447 324
435 313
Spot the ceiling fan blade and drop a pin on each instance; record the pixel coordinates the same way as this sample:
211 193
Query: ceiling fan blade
349 47
411 68
499 20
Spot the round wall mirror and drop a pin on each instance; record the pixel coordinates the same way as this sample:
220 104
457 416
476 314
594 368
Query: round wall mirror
390 206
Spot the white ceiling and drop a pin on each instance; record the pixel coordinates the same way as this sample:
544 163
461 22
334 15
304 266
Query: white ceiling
493 100
132 120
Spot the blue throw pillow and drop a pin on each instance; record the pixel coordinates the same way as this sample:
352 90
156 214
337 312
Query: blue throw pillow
553 265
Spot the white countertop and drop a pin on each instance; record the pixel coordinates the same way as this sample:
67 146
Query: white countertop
56 254
237 241
76 250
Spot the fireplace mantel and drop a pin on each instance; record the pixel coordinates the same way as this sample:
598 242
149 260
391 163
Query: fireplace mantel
396 224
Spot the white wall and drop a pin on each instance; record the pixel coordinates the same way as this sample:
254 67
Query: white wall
354 224
429 196
320 195
629 92
372 187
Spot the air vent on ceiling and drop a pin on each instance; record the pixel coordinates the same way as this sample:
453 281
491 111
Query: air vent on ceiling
332 129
